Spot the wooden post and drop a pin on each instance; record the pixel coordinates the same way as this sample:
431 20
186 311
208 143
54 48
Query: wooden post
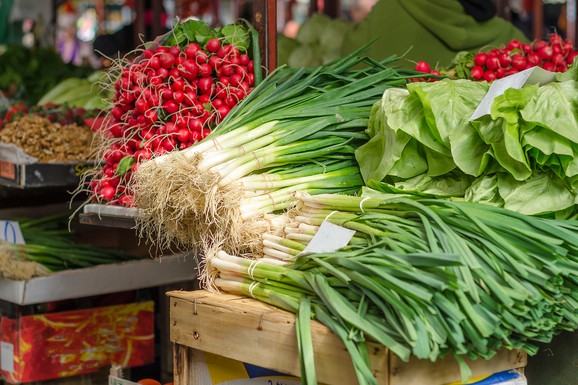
157 26
571 26
538 27
265 22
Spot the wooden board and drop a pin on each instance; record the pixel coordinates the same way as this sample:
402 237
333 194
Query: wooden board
250 331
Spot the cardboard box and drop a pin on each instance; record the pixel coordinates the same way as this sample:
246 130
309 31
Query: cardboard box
61 344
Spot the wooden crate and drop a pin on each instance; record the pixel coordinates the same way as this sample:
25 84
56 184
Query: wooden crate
250 331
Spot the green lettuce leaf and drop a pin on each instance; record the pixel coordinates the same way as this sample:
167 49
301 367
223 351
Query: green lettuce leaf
540 194
508 148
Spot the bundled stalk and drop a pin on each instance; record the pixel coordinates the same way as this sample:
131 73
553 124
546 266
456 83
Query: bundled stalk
296 131
49 247
424 277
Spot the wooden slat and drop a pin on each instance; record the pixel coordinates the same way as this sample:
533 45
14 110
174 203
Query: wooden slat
250 331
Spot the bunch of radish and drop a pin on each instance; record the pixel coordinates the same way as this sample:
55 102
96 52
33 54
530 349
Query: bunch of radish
555 55
169 98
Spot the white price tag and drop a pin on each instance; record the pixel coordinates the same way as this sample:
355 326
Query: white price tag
7 357
10 232
534 75
329 238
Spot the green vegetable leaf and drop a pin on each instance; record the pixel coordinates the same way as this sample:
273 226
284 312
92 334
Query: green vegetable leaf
124 165
237 36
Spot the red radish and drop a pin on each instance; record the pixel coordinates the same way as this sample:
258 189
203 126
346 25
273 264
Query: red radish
477 73
217 103
422 66
126 200
195 136
189 69
154 63
213 45
201 57
489 76
191 50
554 38
527 48
205 70
178 96
519 62
500 73
493 63
178 85
205 133
505 59
539 44
570 57
171 107
215 62
195 124
223 111
107 193
545 52
514 44
533 59
224 51
167 60
243 59
205 85
183 135
480 59
558 59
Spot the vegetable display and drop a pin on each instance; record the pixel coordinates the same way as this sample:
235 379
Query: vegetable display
426 277
522 156
27 74
48 142
169 98
78 93
297 130
50 246
555 55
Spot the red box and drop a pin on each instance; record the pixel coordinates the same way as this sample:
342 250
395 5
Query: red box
54 345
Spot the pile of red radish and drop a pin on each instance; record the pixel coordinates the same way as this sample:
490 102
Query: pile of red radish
166 100
554 55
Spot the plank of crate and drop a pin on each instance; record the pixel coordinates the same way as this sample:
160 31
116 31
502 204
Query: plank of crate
253 332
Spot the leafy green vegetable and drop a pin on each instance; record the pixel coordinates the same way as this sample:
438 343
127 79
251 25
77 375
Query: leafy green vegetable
521 156
27 74
124 165
236 35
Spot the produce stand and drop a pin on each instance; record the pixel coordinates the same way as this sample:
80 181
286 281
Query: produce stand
247 330
102 279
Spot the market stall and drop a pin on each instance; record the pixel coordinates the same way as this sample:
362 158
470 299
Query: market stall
348 219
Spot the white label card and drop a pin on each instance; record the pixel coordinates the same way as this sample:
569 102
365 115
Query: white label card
7 357
329 238
534 75
10 232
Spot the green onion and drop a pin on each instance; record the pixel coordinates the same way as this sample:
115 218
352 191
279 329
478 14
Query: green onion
296 131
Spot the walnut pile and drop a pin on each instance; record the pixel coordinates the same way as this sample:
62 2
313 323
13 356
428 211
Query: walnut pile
47 141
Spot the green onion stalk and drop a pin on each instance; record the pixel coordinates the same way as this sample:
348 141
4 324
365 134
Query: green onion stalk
431 277
296 131
49 247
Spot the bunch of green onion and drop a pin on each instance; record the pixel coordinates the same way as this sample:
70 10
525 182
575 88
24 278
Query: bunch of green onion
296 131
50 246
424 277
